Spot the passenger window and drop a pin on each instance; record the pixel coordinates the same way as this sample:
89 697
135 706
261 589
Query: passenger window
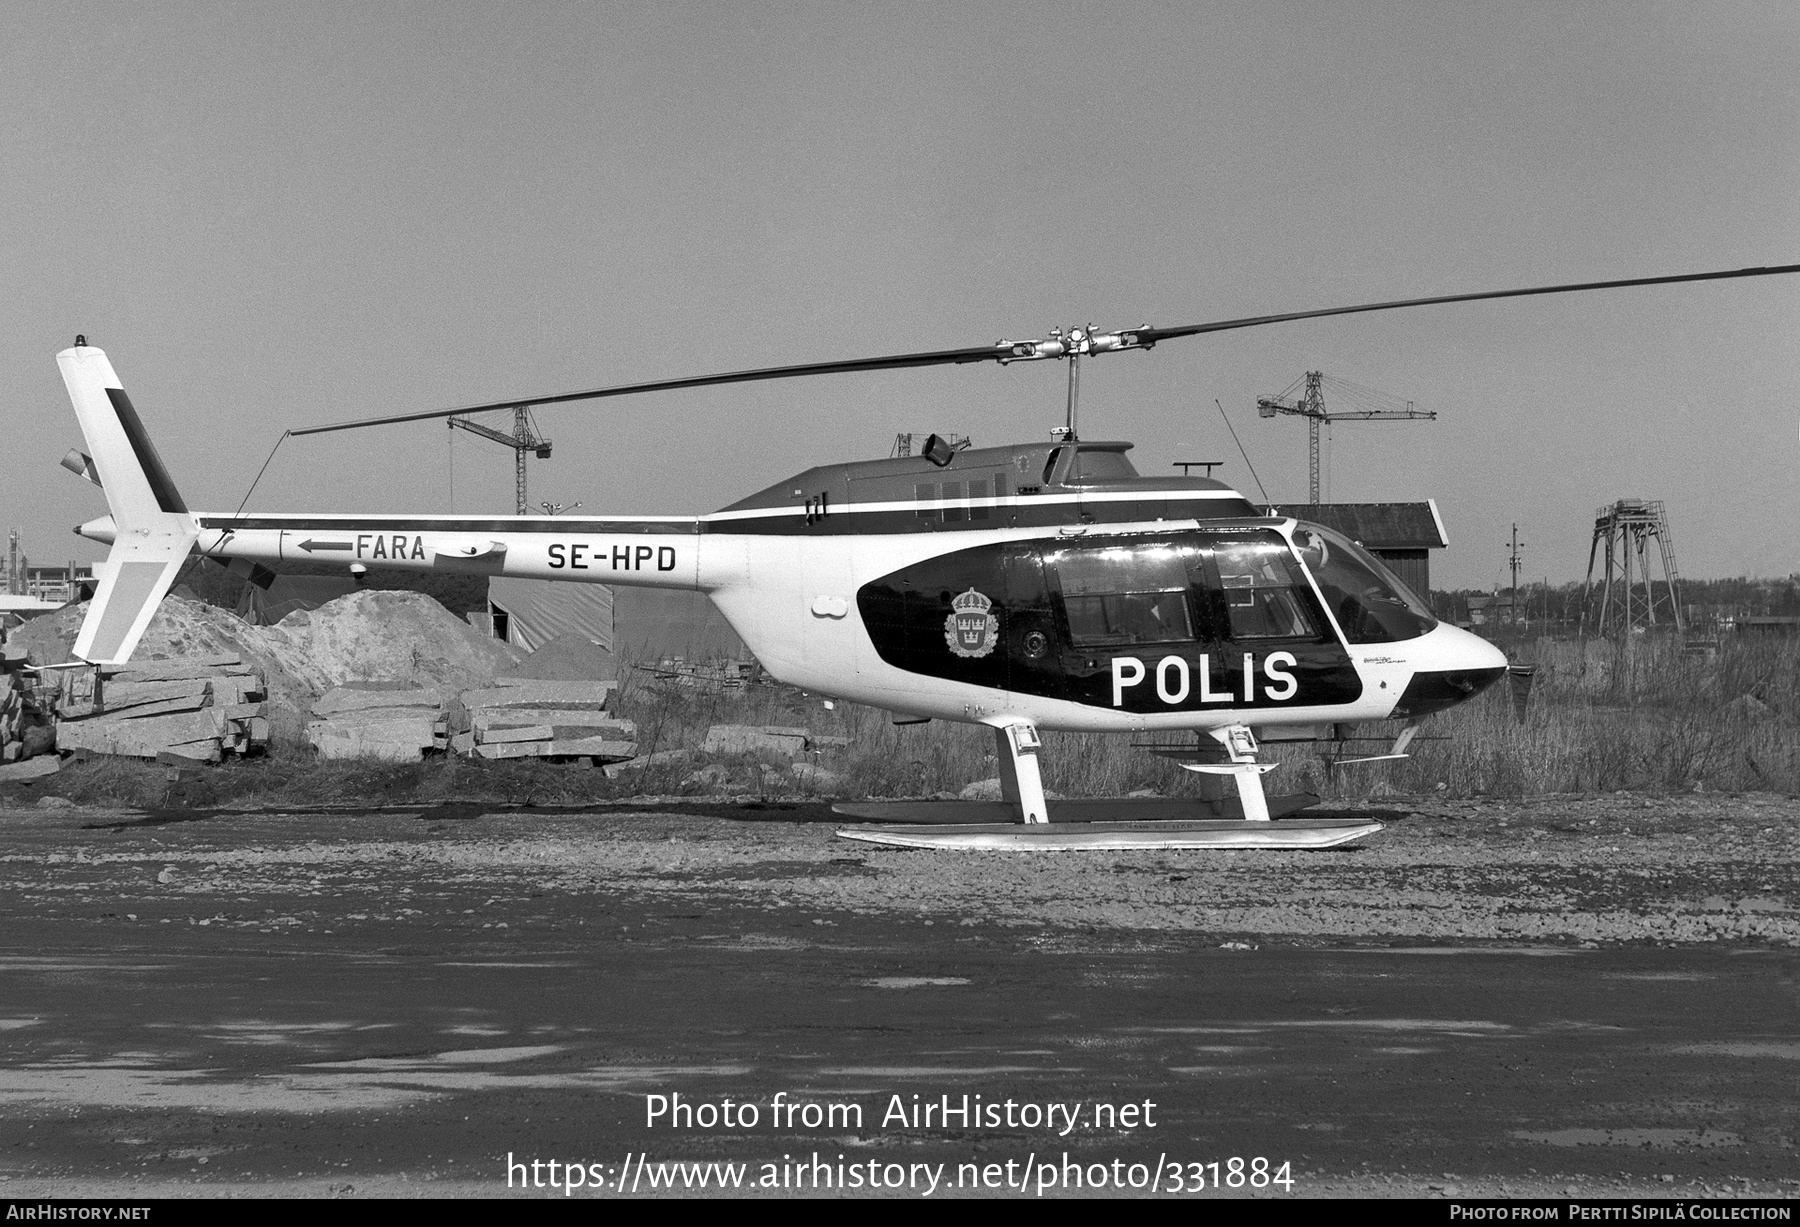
926 494
978 492
1116 595
1263 594
953 505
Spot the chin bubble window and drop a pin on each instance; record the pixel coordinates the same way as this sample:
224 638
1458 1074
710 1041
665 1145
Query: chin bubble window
1370 602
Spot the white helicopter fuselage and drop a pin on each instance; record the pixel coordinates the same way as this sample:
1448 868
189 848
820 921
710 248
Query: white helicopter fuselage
793 600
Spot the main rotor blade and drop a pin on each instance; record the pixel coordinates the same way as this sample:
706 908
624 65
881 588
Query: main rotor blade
984 353
1057 346
1150 336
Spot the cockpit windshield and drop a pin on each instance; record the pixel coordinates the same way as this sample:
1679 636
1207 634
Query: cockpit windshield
1370 602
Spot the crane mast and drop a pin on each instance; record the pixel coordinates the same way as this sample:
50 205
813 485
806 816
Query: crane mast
1310 404
523 438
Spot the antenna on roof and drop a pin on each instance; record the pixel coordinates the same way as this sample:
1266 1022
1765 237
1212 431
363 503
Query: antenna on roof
1241 451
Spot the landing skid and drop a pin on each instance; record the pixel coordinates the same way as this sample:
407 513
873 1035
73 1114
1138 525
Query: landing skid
1025 820
1014 836
1105 809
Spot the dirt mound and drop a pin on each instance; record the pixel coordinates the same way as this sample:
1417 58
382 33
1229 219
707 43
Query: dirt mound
401 637
384 636
566 658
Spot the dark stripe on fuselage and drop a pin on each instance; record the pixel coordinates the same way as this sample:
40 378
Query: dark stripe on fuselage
161 484
415 524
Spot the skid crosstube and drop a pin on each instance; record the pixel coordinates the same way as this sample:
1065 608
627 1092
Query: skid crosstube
1101 809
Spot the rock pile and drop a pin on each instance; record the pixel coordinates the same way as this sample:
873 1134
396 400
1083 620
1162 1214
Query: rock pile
25 729
534 718
193 710
395 725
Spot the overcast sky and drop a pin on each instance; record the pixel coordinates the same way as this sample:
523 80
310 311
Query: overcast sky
279 215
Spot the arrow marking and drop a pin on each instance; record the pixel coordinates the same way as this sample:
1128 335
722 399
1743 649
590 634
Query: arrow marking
309 546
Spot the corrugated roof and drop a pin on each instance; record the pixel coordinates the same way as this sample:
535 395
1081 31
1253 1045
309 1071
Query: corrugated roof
1379 526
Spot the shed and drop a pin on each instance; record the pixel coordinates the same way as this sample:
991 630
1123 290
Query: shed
528 613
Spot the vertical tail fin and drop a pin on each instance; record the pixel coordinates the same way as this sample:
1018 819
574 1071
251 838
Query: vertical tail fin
154 530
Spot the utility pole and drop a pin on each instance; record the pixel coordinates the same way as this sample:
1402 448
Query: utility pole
524 438
1513 561
1310 404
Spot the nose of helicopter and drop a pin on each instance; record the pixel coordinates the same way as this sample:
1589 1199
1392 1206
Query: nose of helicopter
1450 665
1472 651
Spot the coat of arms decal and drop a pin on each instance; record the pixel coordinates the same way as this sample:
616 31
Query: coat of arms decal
971 629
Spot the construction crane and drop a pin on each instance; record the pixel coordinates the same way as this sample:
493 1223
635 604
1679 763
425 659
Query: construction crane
524 438
1310 404
914 444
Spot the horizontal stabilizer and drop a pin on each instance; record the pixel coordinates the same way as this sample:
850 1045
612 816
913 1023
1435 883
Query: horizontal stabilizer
137 575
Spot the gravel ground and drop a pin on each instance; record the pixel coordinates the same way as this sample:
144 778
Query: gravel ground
661 893
1606 870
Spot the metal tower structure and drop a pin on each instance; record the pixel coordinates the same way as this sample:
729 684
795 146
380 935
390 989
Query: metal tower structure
1626 528
524 438
1310 404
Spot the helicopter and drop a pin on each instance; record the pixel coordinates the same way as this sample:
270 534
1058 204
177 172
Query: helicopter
1030 587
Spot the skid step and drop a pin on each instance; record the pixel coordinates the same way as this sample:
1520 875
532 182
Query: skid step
1154 834
1101 809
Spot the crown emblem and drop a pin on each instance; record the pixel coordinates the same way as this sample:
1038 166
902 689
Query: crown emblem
971 630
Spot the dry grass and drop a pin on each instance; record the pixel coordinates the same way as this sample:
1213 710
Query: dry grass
1599 721
1663 721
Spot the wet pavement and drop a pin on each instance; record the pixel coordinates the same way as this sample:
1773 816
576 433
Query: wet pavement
396 1003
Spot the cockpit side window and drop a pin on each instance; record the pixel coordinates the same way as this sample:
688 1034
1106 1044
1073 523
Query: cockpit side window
1371 603
1123 594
